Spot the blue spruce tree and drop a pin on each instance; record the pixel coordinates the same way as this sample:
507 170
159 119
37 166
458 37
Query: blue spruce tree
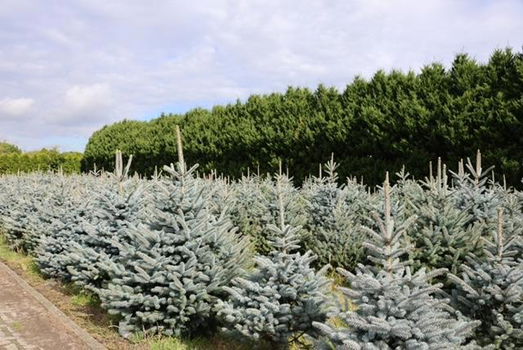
119 203
24 212
392 306
334 218
444 232
277 302
170 272
491 290
472 192
71 215
256 208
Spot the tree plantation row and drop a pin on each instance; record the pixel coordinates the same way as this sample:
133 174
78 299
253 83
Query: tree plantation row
372 126
423 264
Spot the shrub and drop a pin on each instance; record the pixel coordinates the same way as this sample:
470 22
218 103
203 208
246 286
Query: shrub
7 148
43 160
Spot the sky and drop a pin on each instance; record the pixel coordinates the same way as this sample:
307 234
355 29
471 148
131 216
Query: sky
69 67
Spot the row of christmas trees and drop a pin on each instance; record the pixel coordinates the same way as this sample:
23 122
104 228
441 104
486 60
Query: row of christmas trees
423 264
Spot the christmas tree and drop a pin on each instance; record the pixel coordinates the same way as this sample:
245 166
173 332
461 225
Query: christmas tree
119 202
279 299
472 192
491 290
255 208
334 218
393 307
72 221
170 271
23 213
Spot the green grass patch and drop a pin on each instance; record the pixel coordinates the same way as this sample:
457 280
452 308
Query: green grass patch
85 299
17 326
24 262
179 344
156 342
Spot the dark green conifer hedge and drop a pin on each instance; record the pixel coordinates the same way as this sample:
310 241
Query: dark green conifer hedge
390 120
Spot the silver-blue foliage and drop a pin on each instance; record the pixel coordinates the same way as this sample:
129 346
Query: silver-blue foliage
279 299
391 306
491 290
170 271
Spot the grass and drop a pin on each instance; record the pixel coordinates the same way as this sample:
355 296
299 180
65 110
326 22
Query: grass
24 262
17 325
84 309
85 299
171 343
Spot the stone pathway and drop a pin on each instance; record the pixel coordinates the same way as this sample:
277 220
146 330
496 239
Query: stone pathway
29 321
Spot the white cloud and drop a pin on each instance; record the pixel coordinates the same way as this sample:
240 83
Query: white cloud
82 106
15 107
85 98
92 62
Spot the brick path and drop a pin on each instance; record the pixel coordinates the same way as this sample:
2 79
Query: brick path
29 321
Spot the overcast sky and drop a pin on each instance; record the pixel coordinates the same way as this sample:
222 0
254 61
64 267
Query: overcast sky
69 67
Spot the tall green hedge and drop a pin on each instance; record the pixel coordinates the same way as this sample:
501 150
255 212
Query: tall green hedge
43 160
390 120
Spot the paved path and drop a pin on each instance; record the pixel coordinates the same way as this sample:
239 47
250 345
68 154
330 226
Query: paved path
29 321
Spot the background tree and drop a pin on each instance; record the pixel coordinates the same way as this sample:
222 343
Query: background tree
372 126
8 148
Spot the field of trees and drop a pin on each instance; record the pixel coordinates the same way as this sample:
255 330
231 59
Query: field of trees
434 263
249 232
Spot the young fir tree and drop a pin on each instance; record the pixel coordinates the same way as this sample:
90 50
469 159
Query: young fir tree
22 214
169 272
255 208
277 302
249 211
223 195
472 192
491 290
513 214
118 204
12 211
333 228
444 233
71 221
394 307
